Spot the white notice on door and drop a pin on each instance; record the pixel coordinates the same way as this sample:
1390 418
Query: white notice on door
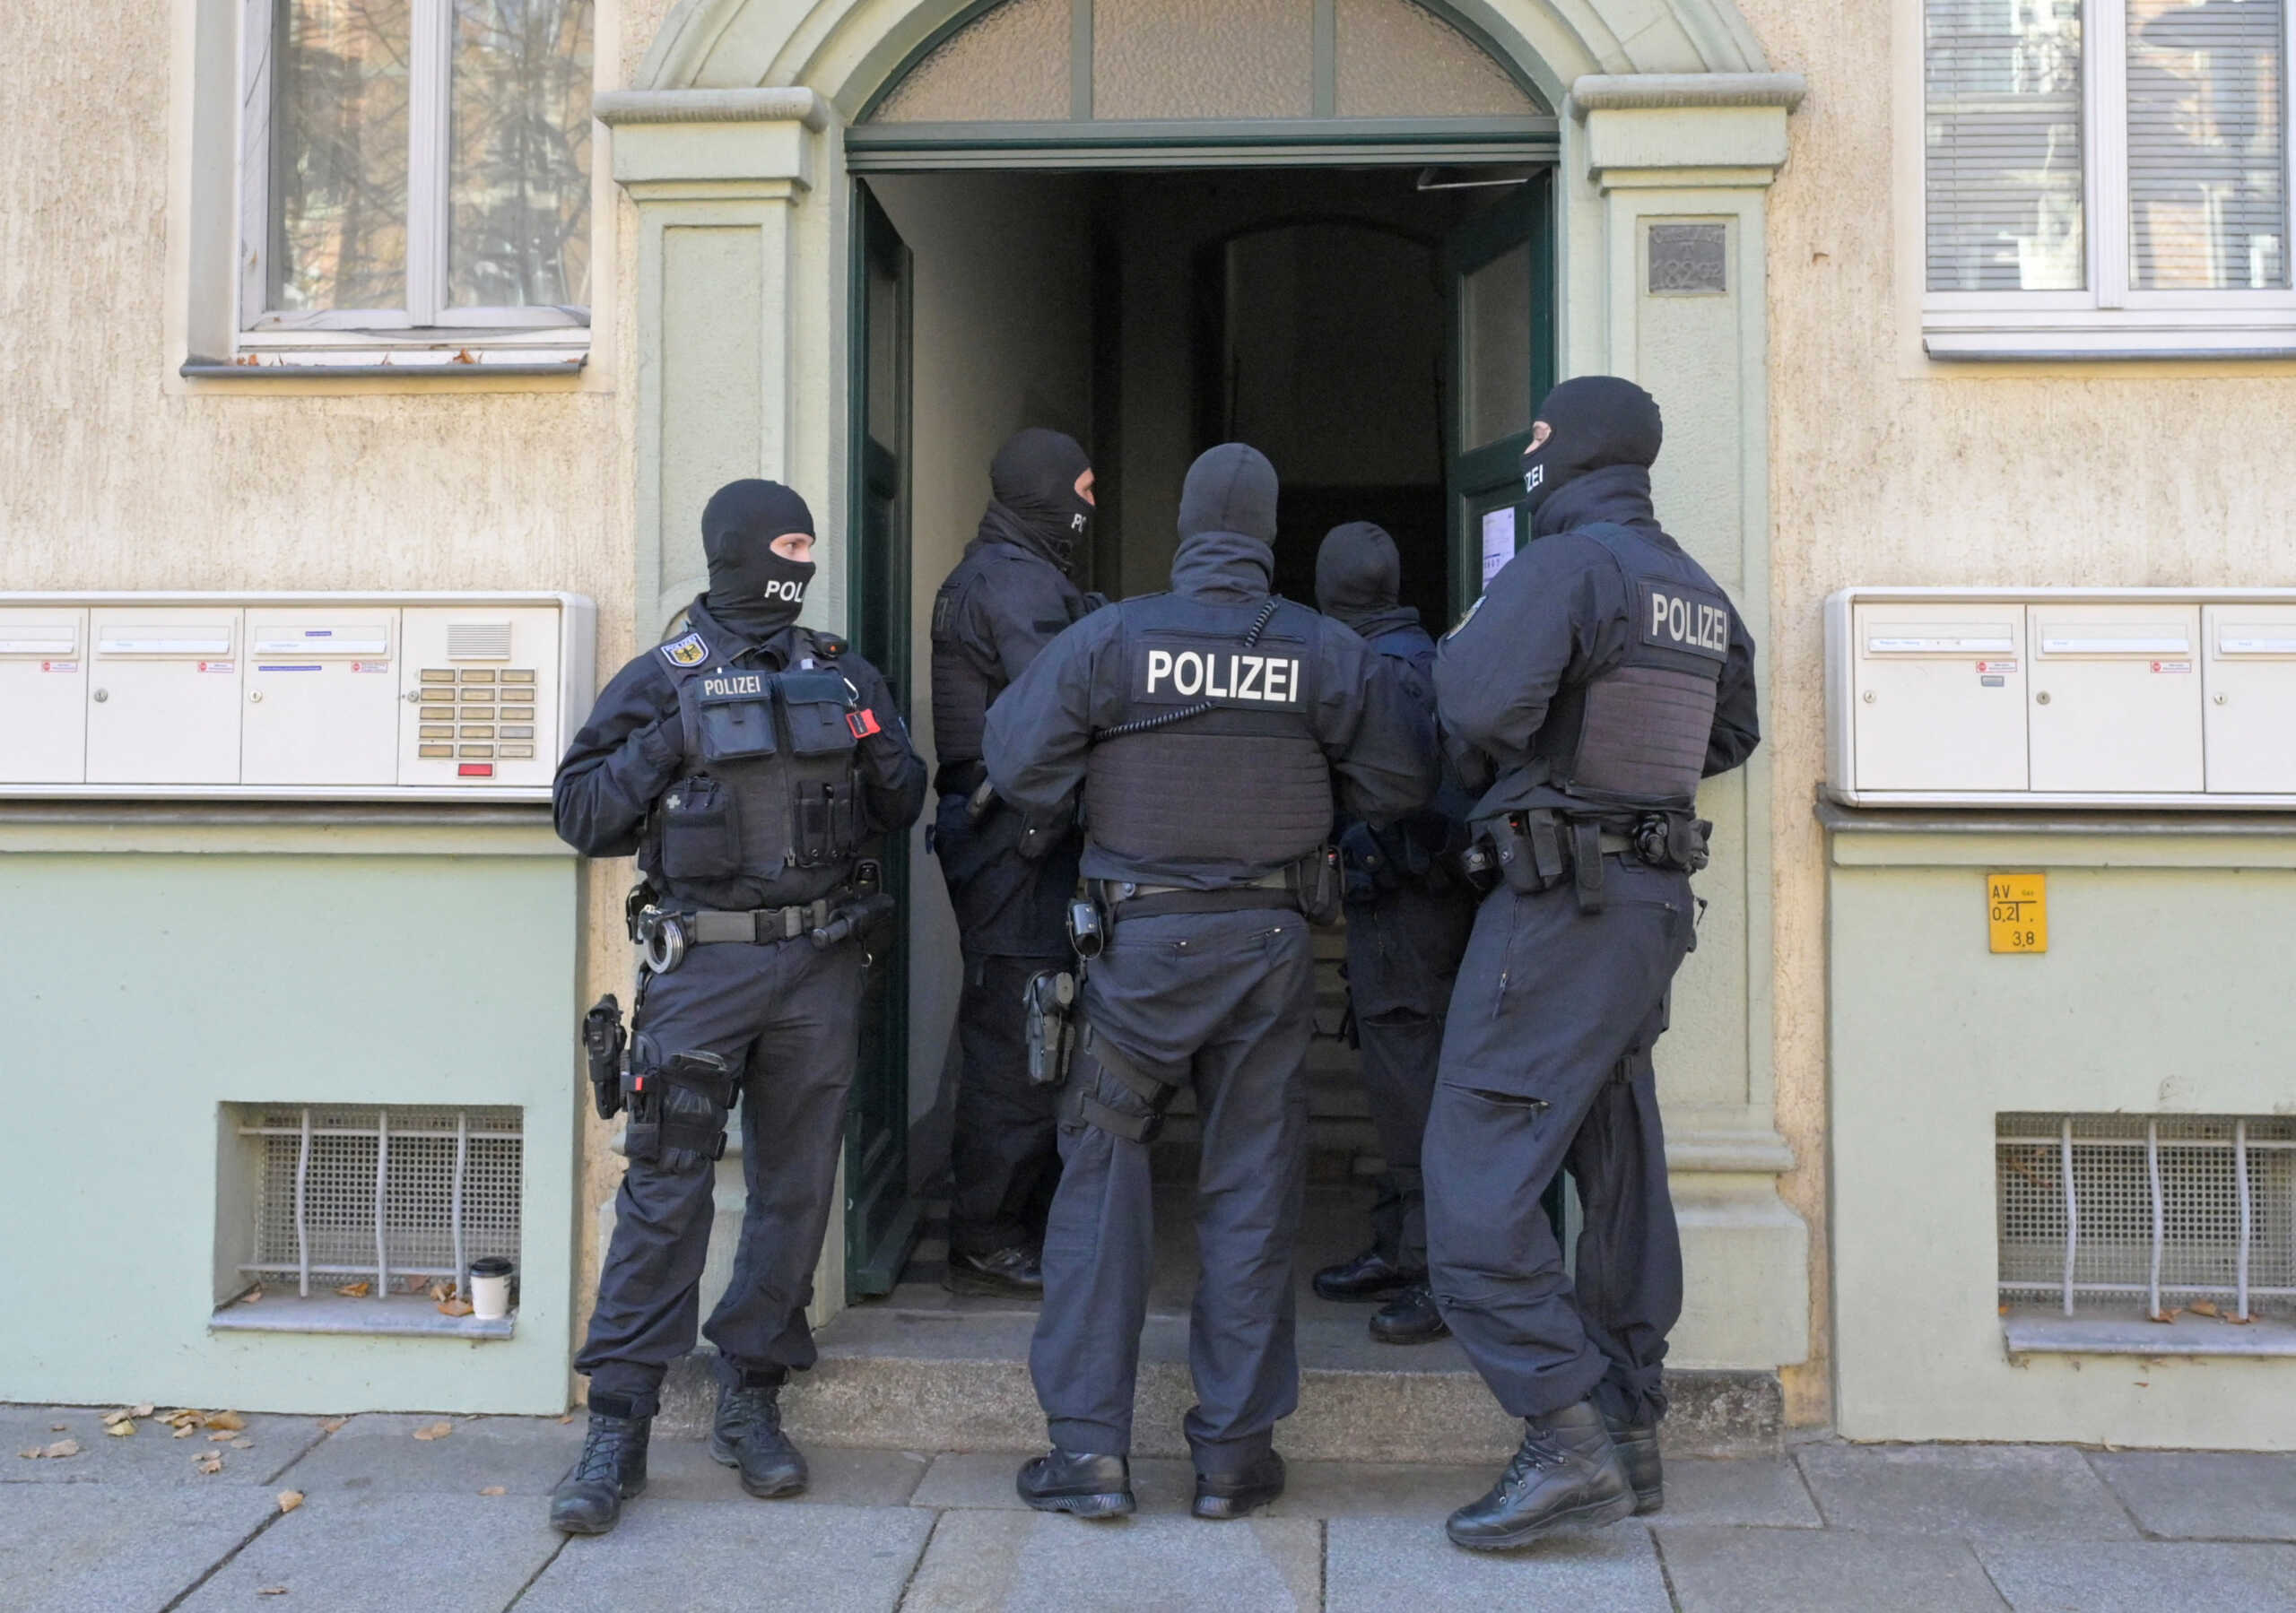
1498 540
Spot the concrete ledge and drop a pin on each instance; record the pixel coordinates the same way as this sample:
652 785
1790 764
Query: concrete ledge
2055 1333
1641 91
399 1317
618 108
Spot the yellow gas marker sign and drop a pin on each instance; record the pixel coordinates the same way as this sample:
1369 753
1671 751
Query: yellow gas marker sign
2016 907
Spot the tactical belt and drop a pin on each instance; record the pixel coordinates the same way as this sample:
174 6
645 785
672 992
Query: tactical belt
1126 898
706 928
1146 1087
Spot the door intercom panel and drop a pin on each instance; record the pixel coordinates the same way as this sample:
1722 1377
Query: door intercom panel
292 695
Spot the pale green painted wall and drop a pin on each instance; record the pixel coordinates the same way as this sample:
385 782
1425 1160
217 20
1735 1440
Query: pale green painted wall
2165 988
143 991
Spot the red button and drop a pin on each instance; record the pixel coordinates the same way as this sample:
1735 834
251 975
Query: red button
475 770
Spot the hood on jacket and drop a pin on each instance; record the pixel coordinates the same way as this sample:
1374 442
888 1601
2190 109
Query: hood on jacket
1619 493
1229 489
1593 422
1358 572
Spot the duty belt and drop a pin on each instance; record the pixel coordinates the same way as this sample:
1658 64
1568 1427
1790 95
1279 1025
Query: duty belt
665 934
1129 898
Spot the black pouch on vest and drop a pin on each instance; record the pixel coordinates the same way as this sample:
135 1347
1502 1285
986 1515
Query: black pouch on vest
827 819
730 714
701 836
815 703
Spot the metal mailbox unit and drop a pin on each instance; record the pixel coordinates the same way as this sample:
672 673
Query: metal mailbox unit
2134 698
375 696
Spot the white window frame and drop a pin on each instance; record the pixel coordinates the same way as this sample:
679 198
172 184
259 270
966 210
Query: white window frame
339 335
2110 319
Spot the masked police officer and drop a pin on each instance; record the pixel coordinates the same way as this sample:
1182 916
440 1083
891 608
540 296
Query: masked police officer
1408 914
749 763
1600 677
1206 730
1008 597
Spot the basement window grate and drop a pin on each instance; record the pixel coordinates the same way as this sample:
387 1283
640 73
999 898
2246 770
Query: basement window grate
398 1194
2120 1212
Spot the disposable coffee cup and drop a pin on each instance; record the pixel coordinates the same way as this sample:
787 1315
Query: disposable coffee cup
490 1288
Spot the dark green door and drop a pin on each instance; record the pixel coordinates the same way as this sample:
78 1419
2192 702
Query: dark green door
880 1218
1499 267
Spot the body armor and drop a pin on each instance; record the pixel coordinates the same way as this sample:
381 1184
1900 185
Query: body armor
766 808
962 691
1635 735
1242 780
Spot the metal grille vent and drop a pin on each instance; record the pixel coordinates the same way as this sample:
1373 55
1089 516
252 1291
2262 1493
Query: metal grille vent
478 641
2123 1212
397 1195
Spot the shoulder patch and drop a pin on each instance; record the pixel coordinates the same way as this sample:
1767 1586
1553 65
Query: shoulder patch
687 651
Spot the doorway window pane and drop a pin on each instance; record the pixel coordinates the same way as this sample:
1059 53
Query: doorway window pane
1009 65
884 352
518 178
2207 146
1495 330
339 168
1202 58
1400 60
2002 141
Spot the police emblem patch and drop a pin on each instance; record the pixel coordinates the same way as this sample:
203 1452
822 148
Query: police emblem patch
688 651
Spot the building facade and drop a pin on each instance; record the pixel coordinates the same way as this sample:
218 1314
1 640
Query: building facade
1965 293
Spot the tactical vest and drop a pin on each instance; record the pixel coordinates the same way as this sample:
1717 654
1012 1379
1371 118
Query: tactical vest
1635 735
963 693
1244 782
766 808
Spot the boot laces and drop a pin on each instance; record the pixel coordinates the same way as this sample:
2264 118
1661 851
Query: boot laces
602 1452
1539 1452
749 1410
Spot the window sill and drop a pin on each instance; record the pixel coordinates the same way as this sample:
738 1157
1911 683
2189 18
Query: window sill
325 364
400 1316
2037 1330
2093 339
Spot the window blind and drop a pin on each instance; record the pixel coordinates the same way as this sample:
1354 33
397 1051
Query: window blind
2207 153
2003 144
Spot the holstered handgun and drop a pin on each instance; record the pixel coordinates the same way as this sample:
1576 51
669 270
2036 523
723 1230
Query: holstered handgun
1049 998
869 906
602 1040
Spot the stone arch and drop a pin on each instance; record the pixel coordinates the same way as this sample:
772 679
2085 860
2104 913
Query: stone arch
846 49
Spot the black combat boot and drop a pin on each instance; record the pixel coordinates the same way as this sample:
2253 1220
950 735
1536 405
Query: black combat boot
1011 1273
1637 1453
1410 1318
1565 1473
746 1435
611 1470
1077 1482
1235 1495
1370 1275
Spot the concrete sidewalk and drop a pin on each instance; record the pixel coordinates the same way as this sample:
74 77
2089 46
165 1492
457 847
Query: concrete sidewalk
390 1522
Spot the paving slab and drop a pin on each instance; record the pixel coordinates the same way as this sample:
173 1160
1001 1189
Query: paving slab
1751 1493
1025 1562
384 1553
79 1548
1980 1492
377 1452
682 1469
982 1480
704 1556
1422 1492
2083 1578
150 1456
2204 1494
1378 1565
1821 1571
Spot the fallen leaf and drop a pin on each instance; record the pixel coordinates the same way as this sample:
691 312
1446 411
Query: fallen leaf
230 1421
435 1431
454 1307
208 1462
58 1427
355 1290
122 1429
289 1500
329 1424
2168 1316
185 1430
2240 1321
243 1443
182 1417
2204 1307
271 1590
143 1410
494 1489
31 1455
120 1416
253 1296
219 1436
2004 1310
62 1448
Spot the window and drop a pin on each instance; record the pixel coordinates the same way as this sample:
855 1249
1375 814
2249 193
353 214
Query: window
2106 177
415 168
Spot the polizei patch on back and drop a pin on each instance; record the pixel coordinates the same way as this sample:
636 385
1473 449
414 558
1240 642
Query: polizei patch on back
1266 679
1691 620
688 651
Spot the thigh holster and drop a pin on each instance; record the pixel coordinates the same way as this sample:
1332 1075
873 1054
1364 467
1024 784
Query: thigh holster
678 1105
1092 1108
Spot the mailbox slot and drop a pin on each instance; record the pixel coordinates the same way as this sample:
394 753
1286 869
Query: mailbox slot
322 697
2249 682
2115 697
1939 696
44 695
163 695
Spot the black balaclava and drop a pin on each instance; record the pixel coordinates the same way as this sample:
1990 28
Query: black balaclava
752 589
1594 421
1229 489
1033 481
1358 572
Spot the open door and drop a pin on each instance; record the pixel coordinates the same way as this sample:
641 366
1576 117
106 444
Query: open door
1499 267
880 1217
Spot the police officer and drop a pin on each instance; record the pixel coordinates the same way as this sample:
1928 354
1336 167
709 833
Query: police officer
1599 677
1408 916
749 762
1008 597
1206 731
